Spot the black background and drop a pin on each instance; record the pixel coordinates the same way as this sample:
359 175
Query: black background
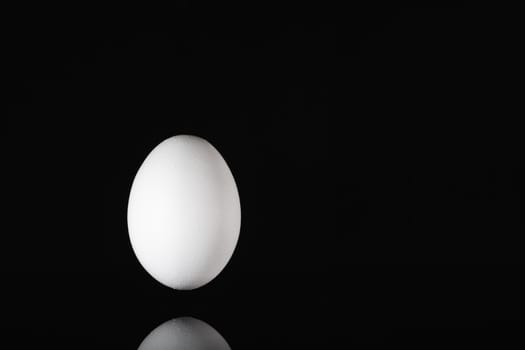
374 149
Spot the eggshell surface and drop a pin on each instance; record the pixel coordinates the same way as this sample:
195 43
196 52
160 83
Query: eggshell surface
184 213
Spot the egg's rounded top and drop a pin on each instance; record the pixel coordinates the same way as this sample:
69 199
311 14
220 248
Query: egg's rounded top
184 212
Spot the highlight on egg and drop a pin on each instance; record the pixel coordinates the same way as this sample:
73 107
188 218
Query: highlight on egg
184 213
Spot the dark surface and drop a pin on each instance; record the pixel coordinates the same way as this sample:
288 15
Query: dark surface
374 148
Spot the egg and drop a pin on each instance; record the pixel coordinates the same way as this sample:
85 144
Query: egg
184 213
184 333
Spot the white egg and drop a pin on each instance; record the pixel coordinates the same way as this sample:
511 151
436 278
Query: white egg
184 213
184 333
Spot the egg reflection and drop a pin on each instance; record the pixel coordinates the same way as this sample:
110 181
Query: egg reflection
184 333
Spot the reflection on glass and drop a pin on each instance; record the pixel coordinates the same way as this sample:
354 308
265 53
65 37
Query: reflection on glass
184 333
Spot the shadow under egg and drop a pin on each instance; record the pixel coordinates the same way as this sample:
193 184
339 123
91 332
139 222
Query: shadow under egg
184 333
